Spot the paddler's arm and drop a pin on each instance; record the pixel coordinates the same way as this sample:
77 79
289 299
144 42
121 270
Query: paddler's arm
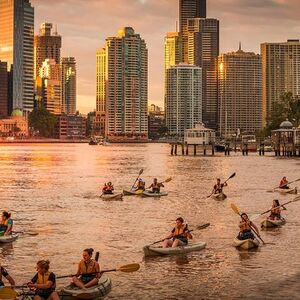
98 270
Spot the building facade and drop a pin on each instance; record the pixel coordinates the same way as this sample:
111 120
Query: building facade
68 80
240 93
280 73
122 86
70 127
183 98
189 9
46 45
16 48
203 51
3 90
173 49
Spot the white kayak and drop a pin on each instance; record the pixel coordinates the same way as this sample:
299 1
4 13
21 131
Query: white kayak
268 223
245 244
219 196
95 292
112 197
9 238
287 191
156 251
151 194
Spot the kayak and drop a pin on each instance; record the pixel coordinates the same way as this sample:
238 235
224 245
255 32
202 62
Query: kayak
286 191
245 244
9 238
112 197
131 192
219 196
268 223
156 251
95 292
151 194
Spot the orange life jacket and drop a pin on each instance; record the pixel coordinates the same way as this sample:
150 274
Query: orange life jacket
244 226
89 267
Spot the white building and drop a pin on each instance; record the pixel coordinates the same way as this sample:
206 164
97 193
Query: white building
199 135
183 98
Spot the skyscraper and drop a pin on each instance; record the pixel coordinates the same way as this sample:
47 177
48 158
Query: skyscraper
122 85
46 45
183 98
16 48
173 49
280 73
68 85
203 51
189 9
3 89
240 93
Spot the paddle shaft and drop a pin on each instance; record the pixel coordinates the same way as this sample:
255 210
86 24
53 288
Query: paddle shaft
140 173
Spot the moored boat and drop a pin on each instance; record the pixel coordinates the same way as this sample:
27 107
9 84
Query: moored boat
9 238
245 244
219 196
287 191
95 292
151 194
112 197
158 251
268 223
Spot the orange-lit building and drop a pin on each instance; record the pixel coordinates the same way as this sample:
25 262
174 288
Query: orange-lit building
16 125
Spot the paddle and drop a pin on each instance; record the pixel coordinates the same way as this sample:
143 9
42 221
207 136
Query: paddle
140 173
7 293
27 232
138 192
237 211
282 205
277 187
231 176
199 227
126 268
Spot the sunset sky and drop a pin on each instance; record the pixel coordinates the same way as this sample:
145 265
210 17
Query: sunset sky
84 25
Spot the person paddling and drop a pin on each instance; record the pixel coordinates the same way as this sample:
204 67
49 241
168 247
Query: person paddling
245 228
108 188
179 235
284 183
6 224
276 211
218 187
155 186
140 185
44 282
88 272
4 273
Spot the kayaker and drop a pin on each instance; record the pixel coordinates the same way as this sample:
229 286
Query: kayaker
155 186
284 183
140 185
108 188
6 224
179 235
245 228
218 187
4 273
88 272
43 282
276 210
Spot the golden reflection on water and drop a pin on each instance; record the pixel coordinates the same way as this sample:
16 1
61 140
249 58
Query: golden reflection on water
54 190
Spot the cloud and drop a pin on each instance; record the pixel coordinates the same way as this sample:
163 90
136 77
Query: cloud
84 25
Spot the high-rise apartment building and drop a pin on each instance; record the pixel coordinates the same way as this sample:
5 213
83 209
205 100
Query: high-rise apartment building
280 73
122 85
240 93
46 45
189 9
16 48
203 51
173 49
3 89
183 98
68 80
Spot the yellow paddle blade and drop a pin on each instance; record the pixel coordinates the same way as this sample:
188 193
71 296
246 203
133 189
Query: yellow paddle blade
7 293
168 179
235 208
129 268
139 192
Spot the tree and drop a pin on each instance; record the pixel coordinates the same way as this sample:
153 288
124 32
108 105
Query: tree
40 119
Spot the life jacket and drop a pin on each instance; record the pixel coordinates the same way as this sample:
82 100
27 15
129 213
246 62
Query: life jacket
283 183
275 212
244 226
89 267
42 279
4 225
218 188
179 231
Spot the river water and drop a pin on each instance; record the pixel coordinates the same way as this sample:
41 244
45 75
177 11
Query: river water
54 189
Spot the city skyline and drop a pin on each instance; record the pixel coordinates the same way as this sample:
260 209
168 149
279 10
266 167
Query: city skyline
85 28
